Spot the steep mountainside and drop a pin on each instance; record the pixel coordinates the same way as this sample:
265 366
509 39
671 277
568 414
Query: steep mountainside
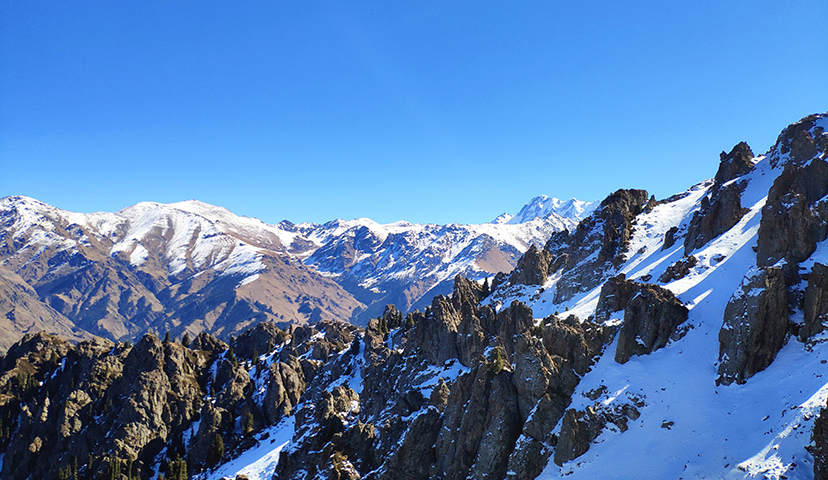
151 267
192 267
695 349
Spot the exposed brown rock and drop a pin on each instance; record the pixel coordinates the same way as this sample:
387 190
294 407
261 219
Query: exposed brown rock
734 164
651 319
615 295
670 238
755 326
580 343
794 216
719 212
678 270
598 244
534 266
815 303
819 445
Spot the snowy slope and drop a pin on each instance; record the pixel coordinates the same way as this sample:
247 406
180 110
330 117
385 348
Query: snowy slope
691 428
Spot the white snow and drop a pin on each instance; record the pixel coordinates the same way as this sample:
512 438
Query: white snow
738 431
259 462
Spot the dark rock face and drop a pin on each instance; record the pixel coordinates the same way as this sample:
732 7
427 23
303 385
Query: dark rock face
492 420
719 212
580 343
534 266
481 424
651 319
598 244
722 208
819 445
815 303
670 238
734 164
755 326
580 428
794 216
652 316
260 339
615 295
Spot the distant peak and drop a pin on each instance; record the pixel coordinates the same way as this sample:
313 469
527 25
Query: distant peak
543 206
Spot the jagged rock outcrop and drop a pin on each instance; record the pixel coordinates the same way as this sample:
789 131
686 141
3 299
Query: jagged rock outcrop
795 213
452 327
815 304
614 297
755 326
678 270
819 445
534 266
262 338
598 244
652 318
734 164
670 238
722 208
580 428
580 343
719 212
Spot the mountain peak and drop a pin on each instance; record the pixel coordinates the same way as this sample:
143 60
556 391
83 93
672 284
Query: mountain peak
543 206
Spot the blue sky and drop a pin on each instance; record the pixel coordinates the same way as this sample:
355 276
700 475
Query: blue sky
427 111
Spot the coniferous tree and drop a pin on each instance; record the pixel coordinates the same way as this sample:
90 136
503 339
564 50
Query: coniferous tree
247 424
185 340
177 469
216 451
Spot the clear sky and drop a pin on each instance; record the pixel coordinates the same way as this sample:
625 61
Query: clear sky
428 111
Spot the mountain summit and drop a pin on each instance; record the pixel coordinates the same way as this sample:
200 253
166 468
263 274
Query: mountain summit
545 207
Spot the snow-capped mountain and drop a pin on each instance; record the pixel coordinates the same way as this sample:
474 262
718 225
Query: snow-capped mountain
181 267
407 264
546 207
191 266
675 338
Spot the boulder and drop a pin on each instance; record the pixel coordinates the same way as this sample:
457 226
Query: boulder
678 270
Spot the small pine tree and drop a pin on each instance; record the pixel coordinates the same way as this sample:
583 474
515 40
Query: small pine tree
216 451
167 338
186 341
177 469
247 424
114 469
497 361
486 289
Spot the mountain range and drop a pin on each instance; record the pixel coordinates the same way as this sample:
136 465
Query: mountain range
193 267
683 337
